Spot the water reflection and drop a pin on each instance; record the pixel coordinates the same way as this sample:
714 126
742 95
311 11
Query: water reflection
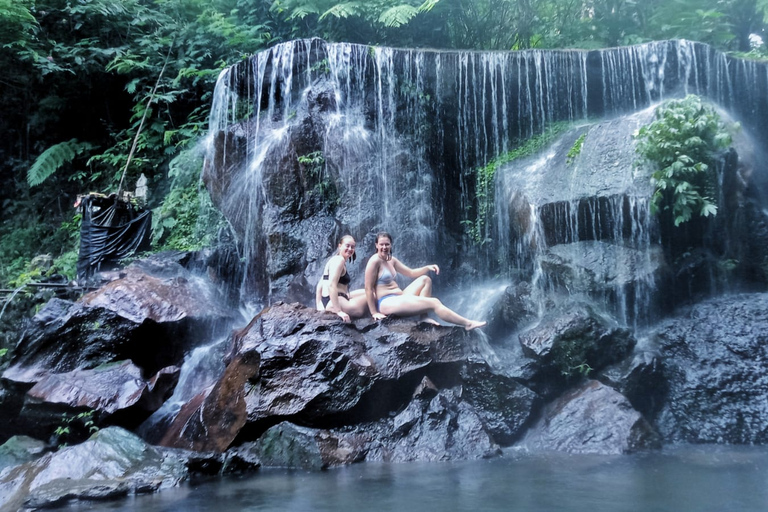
688 478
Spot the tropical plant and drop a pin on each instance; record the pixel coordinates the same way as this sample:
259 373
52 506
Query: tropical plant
682 146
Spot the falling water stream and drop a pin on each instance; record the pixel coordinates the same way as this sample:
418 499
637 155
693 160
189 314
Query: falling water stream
402 132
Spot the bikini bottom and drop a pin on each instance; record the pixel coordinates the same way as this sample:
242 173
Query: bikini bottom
326 300
386 297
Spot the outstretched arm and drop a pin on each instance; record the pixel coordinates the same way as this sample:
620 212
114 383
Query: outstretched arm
413 273
371 275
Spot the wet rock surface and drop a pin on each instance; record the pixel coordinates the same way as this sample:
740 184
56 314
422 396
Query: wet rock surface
116 351
715 360
591 418
569 342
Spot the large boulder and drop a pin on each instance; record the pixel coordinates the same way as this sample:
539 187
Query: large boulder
716 367
314 371
591 418
116 351
569 343
113 463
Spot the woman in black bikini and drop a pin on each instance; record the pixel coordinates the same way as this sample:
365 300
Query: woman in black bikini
332 293
385 297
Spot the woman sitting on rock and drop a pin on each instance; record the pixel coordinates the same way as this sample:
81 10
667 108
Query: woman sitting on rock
332 292
385 297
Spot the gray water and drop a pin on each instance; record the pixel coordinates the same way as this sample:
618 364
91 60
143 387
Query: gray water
683 478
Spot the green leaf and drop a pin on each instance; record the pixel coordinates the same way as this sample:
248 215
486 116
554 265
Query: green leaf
398 15
53 158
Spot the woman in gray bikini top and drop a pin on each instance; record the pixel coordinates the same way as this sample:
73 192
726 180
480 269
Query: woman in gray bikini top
384 296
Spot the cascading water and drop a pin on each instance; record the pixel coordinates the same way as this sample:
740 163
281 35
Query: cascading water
310 140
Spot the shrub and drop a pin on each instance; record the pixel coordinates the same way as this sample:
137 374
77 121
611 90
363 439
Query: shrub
682 146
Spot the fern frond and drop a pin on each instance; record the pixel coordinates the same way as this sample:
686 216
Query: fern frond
303 11
428 5
53 158
398 15
342 10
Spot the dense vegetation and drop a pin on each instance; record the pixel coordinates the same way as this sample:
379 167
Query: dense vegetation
682 146
82 76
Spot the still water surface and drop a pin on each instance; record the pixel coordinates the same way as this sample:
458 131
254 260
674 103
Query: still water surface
679 479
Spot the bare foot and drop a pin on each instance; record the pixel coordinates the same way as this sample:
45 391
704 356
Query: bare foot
430 321
474 324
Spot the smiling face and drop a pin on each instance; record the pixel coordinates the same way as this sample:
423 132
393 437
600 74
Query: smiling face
347 247
384 247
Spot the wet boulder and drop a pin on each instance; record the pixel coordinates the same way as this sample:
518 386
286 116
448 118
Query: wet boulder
312 370
113 463
570 343
614 274
290 446
641 379
144 320
591 418
433 428
114 393
150 320
515 310
20 449
716 367
504 405
213 418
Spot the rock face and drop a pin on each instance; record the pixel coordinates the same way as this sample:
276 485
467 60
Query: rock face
591 418
116 351
715 360
570 342
113 463
309 368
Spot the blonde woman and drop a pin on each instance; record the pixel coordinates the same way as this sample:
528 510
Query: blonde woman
332 292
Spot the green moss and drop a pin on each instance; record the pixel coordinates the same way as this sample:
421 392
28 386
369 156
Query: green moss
485 179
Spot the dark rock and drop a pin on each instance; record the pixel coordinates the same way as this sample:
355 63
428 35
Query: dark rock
515 310
112 463
592 418
112 392
297 364
212 420
641 379
716 365
290 446
625 279
504 405
105 389
149 320
574 341
442 428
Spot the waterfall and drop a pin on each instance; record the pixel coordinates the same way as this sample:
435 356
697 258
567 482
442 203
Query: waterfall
396 135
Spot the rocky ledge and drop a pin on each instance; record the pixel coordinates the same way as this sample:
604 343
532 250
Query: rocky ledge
299 388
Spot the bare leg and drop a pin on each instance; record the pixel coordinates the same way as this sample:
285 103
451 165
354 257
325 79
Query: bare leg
356 306
421 286
414 305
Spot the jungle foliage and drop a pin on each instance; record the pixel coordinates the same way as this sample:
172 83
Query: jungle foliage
81 76
683 145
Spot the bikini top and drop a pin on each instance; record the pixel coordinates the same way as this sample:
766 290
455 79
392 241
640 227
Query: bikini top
343 280
385 277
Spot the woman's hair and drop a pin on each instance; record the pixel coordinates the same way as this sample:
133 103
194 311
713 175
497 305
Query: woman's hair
354 254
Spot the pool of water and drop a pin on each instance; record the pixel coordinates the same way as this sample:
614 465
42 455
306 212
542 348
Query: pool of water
678 479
